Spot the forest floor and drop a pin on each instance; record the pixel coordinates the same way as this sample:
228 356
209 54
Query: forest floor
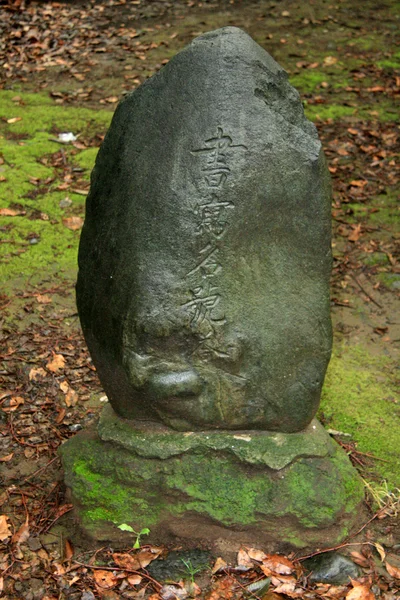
65 65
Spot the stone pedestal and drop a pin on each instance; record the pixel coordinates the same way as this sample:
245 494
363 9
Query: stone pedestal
219 489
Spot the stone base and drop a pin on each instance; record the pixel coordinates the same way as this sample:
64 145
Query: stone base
217 489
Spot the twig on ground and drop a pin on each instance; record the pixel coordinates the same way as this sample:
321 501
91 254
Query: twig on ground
365 292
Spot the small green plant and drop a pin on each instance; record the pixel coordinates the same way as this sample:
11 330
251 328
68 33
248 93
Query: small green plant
191 569
144 531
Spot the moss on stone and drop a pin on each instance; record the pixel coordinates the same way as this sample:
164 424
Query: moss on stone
112 484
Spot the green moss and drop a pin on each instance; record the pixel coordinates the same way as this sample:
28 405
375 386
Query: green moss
113 485
359 397
23 145
38 113
391 63
327 111
390 280
308 80
86 158
221 490
382 110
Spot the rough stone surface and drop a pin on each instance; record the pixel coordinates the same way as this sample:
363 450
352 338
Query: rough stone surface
332 568
270 449
209 493
204 262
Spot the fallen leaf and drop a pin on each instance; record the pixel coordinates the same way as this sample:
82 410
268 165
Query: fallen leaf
73 223
14 119
134 579
7 458
358 182
37 374
219 565
71 398
289 589
279 564
359 559
172 592
393 571
139 560
68 551
105 579
360 591
330 60
5 531
15 401
61 414
243 559
57 363
22 534
64 387
43 299
11 212
256 554
355 234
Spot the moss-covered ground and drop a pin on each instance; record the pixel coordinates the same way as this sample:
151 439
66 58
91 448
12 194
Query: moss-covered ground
344 59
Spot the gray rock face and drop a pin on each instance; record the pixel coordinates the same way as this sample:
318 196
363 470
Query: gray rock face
331 567
204 262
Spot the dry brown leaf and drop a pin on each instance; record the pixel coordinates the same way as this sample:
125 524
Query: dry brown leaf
68 551
64 387
358 183
71 398
380 548
243 559
360 591
335 592
7 458
61 414
134 579
14 119
219 565
43 299
359 559
37 374
393 571
289 589
22 534
355 234
147 555
73 223
105 579
57 363
5 531
256 554
15 401
126 561
330 60
11 212
140 560
279 564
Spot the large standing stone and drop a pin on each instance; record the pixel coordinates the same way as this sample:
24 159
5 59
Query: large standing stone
203 293
204 262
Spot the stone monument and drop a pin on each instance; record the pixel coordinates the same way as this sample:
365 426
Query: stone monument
203 294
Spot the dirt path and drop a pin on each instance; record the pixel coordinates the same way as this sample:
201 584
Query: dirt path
64 68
